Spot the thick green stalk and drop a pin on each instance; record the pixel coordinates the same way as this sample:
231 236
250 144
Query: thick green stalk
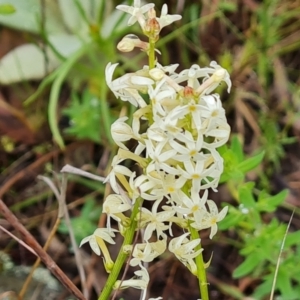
200 267
151 53
128 238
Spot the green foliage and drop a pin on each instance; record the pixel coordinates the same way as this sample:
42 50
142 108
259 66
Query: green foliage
235 164
85 116
260 241
84 224
273 140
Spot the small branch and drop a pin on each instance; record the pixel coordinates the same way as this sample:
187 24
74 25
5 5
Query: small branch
72 170
279 257
78 258
46 259
18 240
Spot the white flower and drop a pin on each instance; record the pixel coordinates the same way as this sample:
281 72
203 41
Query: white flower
139 281
140 186
199 173
154 221
121 132
184 250
221 76
147 252
166 19
156 74
136 11
194 207
219 133
163 129
159 156
127 86
130 41
116 169
101 233
169 187
192 109
191 150
114 206
96 241
211 218
218 74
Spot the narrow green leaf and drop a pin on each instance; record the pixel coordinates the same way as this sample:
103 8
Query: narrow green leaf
237 148
293 238
247 266
251 163
54 94
246 196
269 204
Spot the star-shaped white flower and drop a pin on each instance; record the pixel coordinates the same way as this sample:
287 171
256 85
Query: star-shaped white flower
154 221
139 281
116 169
211 218
193 207
114 206
147 252
96 241
184 250
166 19
192 148
101 233
202 177
121 132
136 11
127 87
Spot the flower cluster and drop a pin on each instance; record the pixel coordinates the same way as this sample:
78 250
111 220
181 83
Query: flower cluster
177 152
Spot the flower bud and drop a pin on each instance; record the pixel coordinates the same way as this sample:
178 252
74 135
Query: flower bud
128 43
156 74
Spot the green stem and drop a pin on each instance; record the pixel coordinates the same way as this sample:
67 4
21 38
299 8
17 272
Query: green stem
128 238
200 267
151 53
62 73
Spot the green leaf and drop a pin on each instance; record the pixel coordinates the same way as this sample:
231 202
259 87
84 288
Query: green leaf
251 163
263 289
247 266
64 69
284 284
245 195
222 150
7 9
84 224
235 175
270 203
237 148
230 221
293 238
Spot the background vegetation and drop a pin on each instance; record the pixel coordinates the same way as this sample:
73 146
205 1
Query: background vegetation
56 109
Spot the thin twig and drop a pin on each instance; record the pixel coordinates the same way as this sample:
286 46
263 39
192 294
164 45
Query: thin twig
72 170
51 235
18 240
38 261
279 257
72 236
46 259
